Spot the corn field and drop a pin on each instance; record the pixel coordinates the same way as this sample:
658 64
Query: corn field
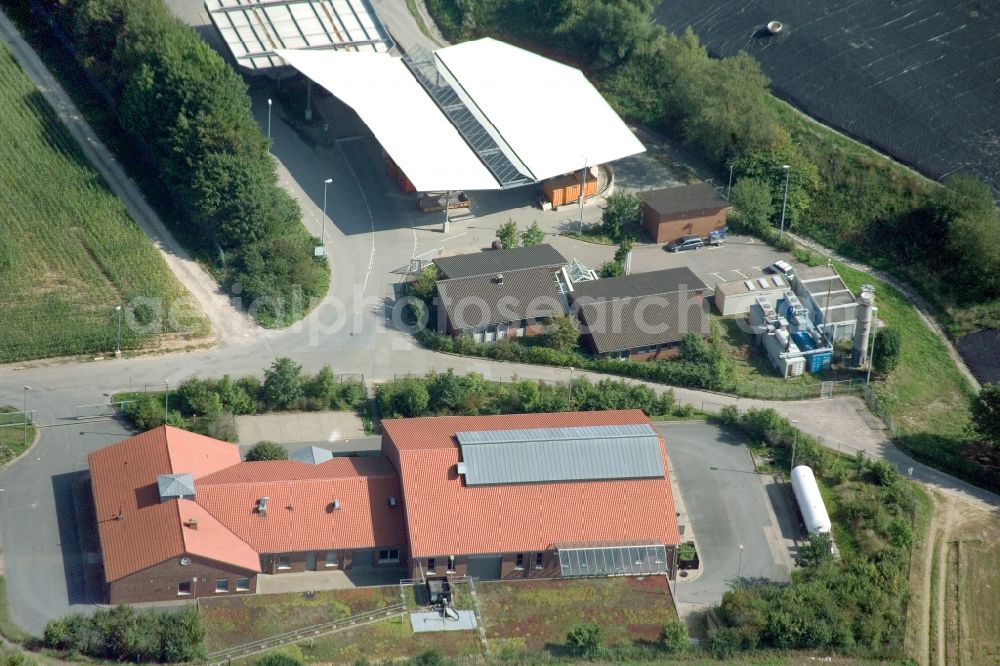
69 252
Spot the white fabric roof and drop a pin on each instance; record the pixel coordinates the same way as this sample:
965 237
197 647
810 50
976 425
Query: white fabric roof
404 119
253 29
549 113
549 117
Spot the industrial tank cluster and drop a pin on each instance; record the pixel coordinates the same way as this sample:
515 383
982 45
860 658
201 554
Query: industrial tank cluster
793 343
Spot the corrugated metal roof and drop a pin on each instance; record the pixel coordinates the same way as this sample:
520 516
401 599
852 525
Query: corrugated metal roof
500 261
175 485
629 451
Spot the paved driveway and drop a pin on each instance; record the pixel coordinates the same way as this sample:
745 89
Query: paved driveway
727 504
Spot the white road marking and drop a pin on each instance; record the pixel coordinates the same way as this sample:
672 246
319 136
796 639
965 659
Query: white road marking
740 274
718 276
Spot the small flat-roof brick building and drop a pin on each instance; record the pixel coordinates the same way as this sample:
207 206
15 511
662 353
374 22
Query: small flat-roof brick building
687 210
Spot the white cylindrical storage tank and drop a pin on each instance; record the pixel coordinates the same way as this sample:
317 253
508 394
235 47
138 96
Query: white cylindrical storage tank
859 353
810 501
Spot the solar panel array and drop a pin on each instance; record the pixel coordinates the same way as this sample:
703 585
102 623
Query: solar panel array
561 454
254 29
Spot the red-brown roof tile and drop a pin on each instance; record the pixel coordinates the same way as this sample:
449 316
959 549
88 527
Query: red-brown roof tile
444 516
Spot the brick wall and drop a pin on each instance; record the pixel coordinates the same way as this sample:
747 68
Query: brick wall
665 228
160 582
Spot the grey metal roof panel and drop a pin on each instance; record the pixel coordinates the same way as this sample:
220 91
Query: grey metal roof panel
560 454
666 281
490 262
312 455
634 323
175 485
480 300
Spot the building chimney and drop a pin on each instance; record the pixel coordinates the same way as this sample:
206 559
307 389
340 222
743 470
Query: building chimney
192 523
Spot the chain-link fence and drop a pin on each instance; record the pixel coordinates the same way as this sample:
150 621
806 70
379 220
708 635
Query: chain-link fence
880 410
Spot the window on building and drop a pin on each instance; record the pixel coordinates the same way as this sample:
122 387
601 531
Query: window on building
184 588
539 560
388 555
284 561
221 584
331 558
519 562
451 564
242 584
431 564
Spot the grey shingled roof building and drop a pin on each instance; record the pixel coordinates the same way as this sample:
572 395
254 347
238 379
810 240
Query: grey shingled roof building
473 302
500 261
641 310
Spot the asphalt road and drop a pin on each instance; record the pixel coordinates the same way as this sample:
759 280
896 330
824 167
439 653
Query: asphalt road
728 504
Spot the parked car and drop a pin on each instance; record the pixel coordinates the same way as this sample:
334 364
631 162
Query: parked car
782 268
685 243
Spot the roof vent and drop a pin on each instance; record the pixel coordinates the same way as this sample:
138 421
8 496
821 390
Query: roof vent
336 504
460 467
261 507
392 501
192 522
498 278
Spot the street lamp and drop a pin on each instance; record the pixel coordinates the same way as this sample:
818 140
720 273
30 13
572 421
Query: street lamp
871 356
322 239
729 188
795 440
739 568
24 415
118 348
784 201
269 119
583 191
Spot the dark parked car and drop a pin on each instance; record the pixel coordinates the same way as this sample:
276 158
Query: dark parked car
685 243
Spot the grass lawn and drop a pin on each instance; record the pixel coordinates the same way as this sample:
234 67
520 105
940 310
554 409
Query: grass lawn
8 629
928 393
13 438
536 615
235 620
69 253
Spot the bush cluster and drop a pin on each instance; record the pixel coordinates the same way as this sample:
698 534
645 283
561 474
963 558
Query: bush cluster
446 393
856 603
701 363
208 405
122 634
189 110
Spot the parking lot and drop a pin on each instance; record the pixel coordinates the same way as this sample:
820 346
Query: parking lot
729 507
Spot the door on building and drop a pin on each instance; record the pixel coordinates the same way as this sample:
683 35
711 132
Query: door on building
484 567
310 561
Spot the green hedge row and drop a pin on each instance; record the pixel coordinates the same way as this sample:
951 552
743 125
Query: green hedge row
179 99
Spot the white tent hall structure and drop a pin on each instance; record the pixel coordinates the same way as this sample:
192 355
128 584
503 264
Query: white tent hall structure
482 115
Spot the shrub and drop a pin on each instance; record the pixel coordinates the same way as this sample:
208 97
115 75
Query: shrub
623 210
196 396
266 450
508 234
674 637
407 397
121 634
986 414
753 205
283 383
146 412
887 351
533 235
279 659
562 334
585 639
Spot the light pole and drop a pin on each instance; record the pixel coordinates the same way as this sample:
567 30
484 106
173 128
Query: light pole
583 191
269 119
118 348
729 187
322 239
795 440
784 201
739 568
24 415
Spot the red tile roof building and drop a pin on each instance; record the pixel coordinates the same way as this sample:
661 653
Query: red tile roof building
409 506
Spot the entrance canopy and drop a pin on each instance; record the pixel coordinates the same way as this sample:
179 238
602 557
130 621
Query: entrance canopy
477 116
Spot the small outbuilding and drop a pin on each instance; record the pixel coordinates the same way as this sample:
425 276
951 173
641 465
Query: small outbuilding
688 210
